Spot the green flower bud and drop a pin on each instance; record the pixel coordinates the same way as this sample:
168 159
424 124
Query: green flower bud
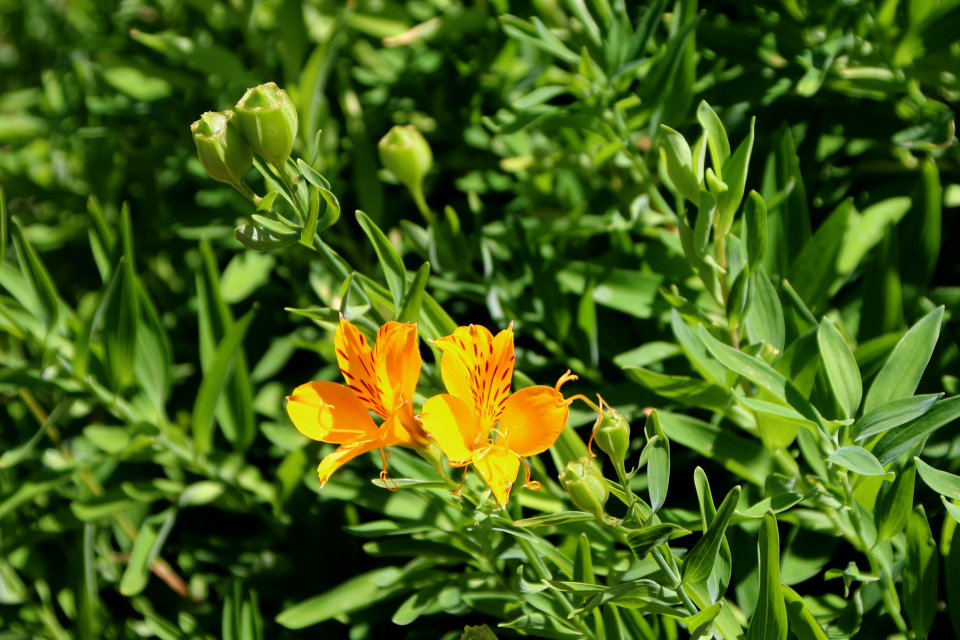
268 120
586 486
612 435
407 155
223 152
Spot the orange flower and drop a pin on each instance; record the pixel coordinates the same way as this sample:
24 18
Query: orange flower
381 380
477 369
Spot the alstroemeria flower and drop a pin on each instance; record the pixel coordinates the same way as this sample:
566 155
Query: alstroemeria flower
477 369
379 380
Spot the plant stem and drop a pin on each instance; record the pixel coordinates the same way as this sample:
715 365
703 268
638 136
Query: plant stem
421 203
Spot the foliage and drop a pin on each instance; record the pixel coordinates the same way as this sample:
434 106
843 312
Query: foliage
730 221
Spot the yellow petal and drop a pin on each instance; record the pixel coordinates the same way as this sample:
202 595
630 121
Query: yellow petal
329 412
345 453
533 419
396 359
453 424
355 358
498 466
478 368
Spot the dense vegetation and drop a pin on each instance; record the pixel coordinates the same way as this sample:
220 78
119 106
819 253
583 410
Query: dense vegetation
734 222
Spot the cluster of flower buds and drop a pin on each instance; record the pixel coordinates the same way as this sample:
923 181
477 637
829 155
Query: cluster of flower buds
264 121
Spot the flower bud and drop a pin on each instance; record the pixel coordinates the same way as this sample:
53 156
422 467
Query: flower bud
586 486
268 120
223 152
407 155
612 435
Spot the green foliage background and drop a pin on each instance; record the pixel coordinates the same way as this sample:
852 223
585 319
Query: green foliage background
545 121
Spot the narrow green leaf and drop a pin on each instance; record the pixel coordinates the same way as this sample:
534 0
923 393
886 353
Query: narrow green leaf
43 291
762 374
894 503
658 465
901 374
583 561
641 541
858 460
738 299
841 368
716 137
13 457
952 575
4 233
705 217
679 162
700 561
892 414
735 175
263 239
769 620
543 626
699 624
121 317
952 509
901 439
354 594
755 230
313 214
920 574
802 621
137 573
942 482
551 519
921 231
410 308
213 381
765 322
390 260
612 626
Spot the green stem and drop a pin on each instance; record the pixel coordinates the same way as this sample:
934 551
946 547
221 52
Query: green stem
421 203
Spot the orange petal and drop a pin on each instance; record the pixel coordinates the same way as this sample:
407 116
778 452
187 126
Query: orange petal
403 429
498 466
533 419
329 412
357 366
345 453
396 359
478 368
453 424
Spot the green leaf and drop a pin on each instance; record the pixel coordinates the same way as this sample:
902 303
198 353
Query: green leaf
802 621
13 457
552 519
688 390
764 321
769 621
788 226
43 291
813 273
658 465
942 482
137 573
744 457
755 230
679 162
543 626
613 628
410 307
705 364
214 379
703 225
894 503
716 136
735 175
699 624
4 232
840 367
904 437
902 372
583 561
952 509
738 300
699 562
393 269
347 597
762 374
921 232
641 541
868 230
121 319
920 574
952 575
263 239
858 460
892 414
